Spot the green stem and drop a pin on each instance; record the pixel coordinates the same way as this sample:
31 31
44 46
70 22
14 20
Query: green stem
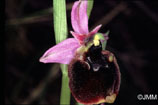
65 91
60 21
60 29
90 6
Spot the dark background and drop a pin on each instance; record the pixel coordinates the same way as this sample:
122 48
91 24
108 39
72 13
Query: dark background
29 33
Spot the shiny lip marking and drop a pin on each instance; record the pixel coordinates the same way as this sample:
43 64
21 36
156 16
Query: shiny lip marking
96 67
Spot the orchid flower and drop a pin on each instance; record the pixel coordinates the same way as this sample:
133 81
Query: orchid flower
65 51
94 75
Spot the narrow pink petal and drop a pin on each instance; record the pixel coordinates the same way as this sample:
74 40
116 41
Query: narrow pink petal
79 18
61 53
95 30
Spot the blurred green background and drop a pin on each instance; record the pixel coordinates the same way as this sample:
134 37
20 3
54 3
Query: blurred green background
29 33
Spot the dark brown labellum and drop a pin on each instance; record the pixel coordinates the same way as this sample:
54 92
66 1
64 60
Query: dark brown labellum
95 78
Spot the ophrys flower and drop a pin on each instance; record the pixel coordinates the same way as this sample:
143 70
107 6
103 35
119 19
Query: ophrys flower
94 73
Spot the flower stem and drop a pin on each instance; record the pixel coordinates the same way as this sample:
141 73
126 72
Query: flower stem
90 6
60 21
65 91
60 29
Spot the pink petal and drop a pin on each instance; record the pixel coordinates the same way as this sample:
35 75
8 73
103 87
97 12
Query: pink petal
79 37
95 30
79 18
61 53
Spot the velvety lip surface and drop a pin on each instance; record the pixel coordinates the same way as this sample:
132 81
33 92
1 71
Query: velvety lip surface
88 86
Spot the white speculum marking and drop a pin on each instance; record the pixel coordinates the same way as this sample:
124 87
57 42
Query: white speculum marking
96 67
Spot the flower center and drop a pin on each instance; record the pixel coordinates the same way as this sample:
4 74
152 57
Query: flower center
95 58
96 40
